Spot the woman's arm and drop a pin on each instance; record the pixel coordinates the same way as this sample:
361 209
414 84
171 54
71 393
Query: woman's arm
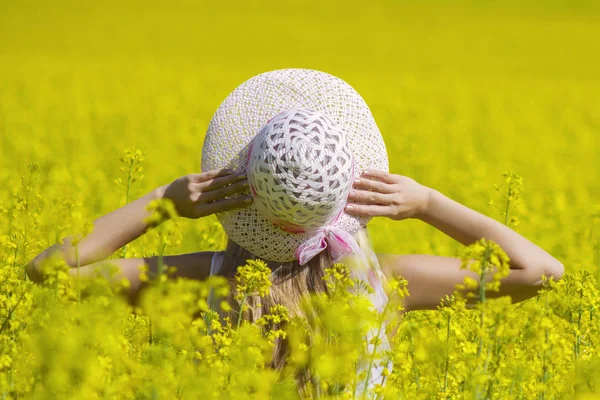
431 277
194 196
111 232
190 265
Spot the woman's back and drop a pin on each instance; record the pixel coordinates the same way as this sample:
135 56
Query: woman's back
364 268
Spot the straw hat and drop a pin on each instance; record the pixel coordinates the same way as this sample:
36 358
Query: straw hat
301 136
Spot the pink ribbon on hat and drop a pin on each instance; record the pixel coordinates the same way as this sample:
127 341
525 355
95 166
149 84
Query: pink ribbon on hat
338 242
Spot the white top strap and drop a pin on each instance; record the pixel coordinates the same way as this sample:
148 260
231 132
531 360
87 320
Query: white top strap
215 267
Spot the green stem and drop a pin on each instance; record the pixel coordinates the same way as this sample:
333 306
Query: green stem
382 385
28 189
579 322
544 364
128 182
447 354
159 273
484 267
239 321
16 253
10 313
412 350
372 360
485 370
545 370
507 206
124 254
160 262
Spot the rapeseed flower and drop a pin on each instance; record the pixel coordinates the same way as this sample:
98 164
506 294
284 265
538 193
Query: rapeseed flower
69 103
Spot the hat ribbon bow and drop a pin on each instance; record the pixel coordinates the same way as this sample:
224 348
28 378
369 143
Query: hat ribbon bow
338 242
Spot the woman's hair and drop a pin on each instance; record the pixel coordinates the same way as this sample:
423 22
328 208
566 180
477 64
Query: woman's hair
290 283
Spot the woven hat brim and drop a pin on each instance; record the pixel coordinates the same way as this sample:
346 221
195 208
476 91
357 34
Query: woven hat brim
248 108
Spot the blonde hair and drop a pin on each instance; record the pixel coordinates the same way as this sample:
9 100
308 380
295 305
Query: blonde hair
290 283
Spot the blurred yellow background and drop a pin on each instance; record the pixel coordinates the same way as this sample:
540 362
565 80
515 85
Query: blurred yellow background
462 91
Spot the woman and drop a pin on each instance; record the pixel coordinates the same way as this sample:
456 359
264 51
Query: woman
374 193
429 277
295 168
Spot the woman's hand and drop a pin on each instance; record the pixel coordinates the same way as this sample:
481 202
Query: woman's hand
199 195
379 194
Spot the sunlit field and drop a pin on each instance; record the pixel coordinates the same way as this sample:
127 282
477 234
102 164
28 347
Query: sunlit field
465 94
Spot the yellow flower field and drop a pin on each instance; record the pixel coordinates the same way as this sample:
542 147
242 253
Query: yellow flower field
102 102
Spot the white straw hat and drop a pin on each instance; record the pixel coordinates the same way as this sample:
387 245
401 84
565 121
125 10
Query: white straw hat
301 136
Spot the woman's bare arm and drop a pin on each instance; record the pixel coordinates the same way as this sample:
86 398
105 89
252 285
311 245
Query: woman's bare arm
431 277
467 226
194 196
190 265
111 232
